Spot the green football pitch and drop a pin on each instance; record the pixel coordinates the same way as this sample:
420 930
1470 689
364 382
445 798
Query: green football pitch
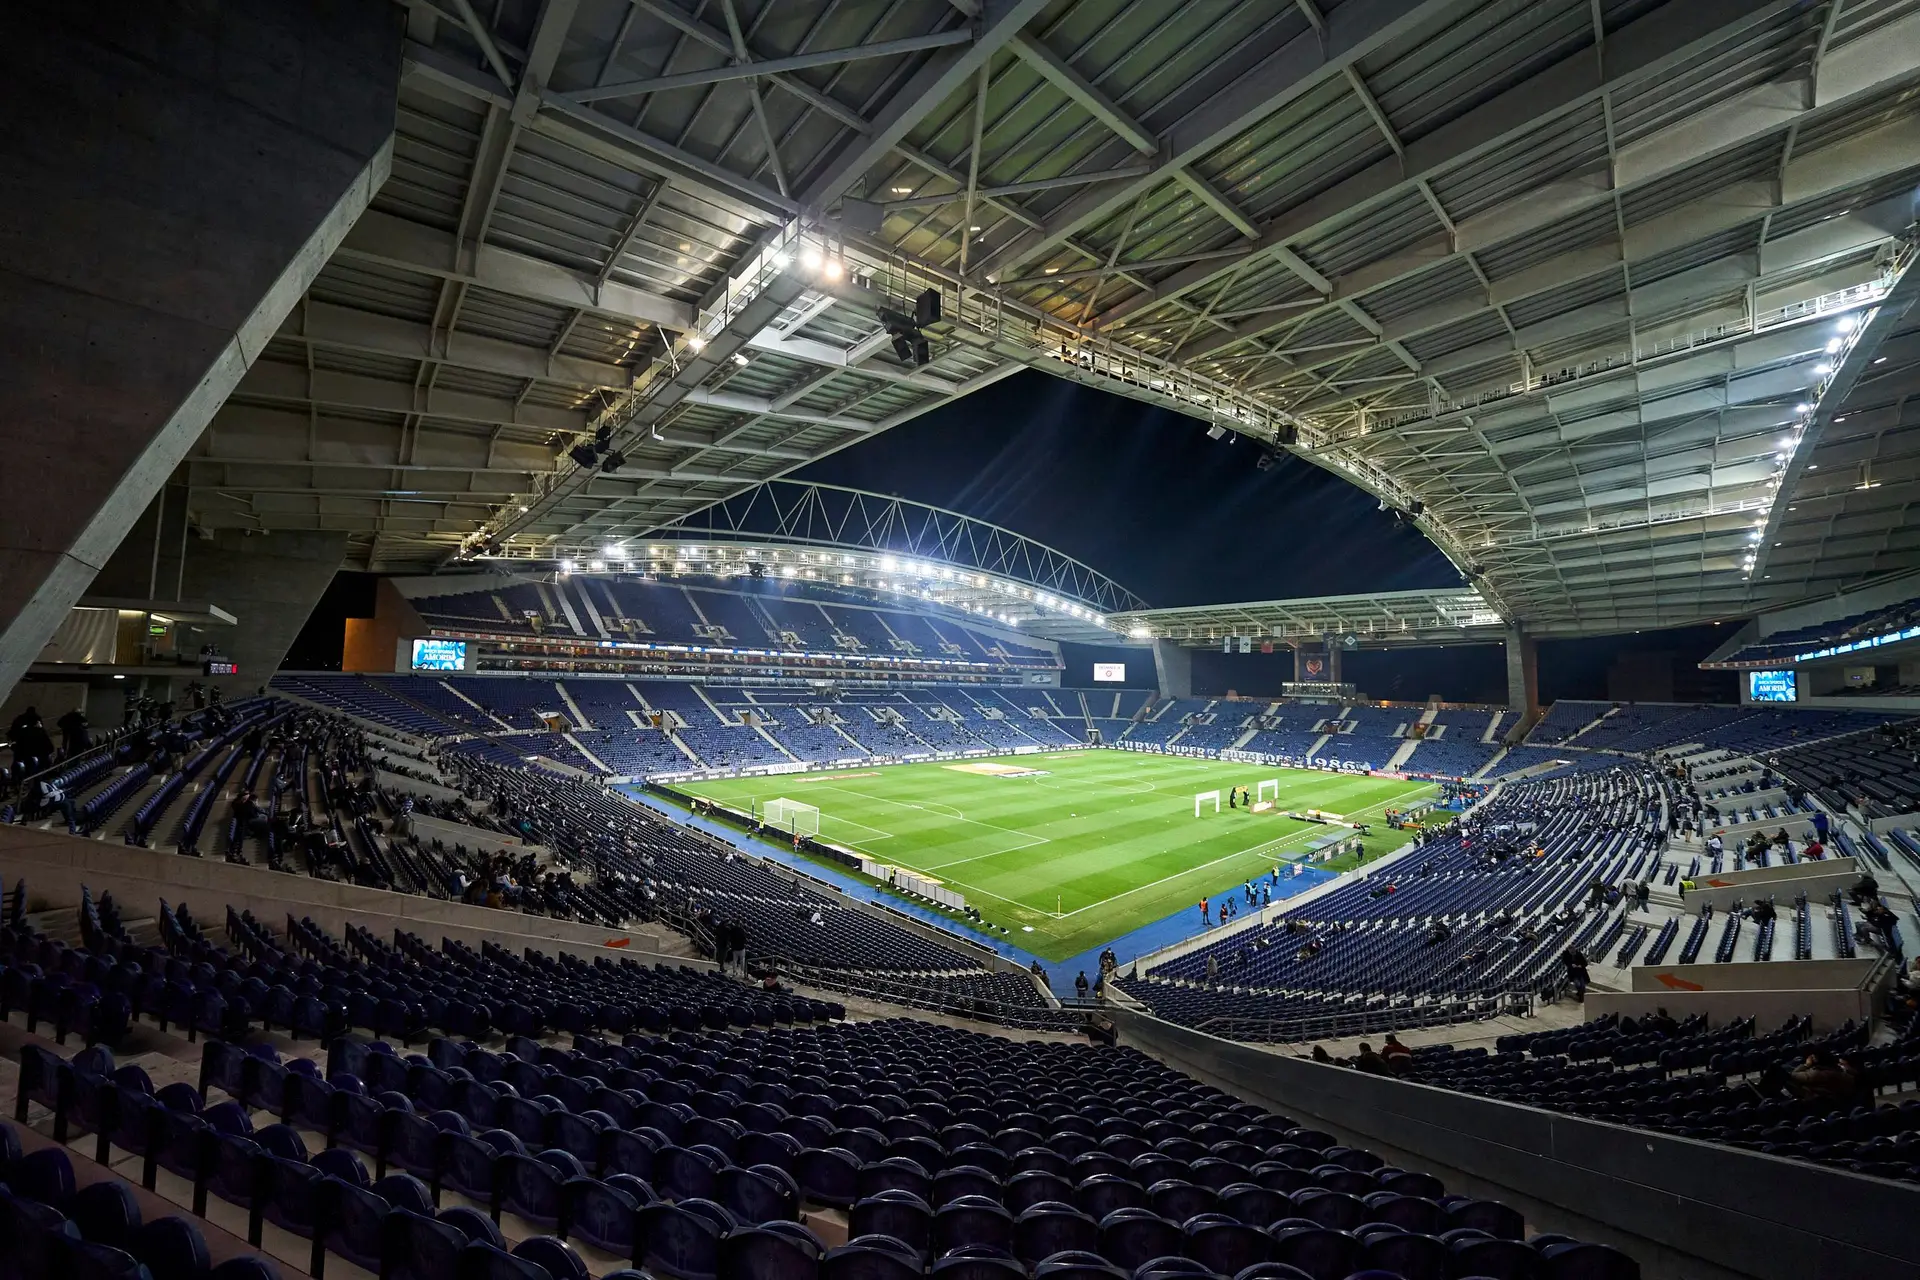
1087 846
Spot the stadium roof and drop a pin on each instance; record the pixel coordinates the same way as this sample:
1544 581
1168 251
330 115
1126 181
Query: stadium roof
1553 277
1375 619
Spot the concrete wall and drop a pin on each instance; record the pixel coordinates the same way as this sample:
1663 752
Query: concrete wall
1173 665
1829 1008
268 582
55 865
178 176
371 643
1686 1210
1775 975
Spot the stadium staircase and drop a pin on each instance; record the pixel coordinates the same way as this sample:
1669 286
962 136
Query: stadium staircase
1573 739
456 693
1241 741
1086 718
701 691
1487 769
851 740
761 729
1318 743
593 612
598 763
1400 755
580 720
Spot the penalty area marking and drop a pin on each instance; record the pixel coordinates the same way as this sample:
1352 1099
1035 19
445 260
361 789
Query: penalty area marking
1280 843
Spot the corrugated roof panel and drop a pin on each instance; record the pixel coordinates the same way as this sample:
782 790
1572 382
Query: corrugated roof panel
1460 63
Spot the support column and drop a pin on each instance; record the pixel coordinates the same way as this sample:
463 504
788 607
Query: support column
1173 664
177 178
270 582
1523 680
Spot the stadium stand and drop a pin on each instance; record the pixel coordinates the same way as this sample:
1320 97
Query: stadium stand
1787 1093
1786 646
1471 915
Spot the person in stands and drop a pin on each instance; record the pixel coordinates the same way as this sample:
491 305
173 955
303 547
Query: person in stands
1398 1057
1370 1062
1081 985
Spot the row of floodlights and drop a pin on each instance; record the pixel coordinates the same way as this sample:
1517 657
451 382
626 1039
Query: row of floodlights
1789 444
937 581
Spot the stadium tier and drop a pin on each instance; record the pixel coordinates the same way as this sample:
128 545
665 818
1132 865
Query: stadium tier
1473 913
1798 643
784 618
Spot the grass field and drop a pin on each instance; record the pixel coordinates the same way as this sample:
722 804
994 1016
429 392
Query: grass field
1096 844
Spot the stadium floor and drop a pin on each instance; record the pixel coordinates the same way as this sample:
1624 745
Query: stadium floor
1078 847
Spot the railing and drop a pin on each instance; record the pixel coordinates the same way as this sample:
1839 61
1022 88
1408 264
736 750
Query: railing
1759 323
907 989
1517 1001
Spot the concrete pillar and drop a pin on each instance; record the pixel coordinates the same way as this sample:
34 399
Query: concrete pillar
270 582
176 177
1173 664
1523 675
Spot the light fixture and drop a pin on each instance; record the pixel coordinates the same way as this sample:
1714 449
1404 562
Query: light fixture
740 359
566 566
1848 323
119 677
1822 369
696 342
598 566
1833 345
523 511
833 268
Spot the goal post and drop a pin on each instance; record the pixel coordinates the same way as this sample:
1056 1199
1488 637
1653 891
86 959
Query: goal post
1204 796
791 816
1260 792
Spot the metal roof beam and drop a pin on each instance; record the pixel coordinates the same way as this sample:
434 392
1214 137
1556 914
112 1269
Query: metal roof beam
392 241
337 328
1061 74
743 68
1353 31
945 73
1637 51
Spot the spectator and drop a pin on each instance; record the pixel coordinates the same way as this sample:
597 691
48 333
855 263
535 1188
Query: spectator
1576 962
1081 985
1369 1061
1398 1057
74 737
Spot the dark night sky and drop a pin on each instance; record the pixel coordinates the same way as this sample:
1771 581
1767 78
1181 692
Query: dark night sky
1140 494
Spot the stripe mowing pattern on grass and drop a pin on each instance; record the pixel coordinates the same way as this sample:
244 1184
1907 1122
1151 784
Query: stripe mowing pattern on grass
1089 845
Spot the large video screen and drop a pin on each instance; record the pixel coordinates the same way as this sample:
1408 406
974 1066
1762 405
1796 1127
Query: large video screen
1772 686
439 655
1110 672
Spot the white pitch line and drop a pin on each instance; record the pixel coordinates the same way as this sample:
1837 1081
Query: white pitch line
1238 853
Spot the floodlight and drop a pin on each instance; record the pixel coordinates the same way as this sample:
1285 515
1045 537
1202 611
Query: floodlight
584 454
613 462
696 342
1216 432
903 346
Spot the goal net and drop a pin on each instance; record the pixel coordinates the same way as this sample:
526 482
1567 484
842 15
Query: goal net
791 816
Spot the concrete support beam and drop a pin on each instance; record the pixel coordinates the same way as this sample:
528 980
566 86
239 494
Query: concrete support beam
1523 676
414 246
268 582
143 269
1173 664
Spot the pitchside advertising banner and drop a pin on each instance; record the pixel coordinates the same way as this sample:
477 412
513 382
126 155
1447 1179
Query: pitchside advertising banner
1110 672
